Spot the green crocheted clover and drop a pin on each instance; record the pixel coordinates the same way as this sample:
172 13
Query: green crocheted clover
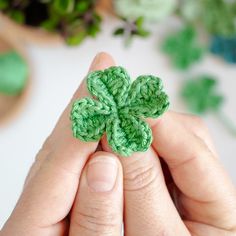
183 48
119 110
201 95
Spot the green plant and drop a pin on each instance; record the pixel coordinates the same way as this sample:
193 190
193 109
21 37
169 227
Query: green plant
73 19
132 29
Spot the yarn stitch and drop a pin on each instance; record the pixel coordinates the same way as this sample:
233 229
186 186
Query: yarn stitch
119 110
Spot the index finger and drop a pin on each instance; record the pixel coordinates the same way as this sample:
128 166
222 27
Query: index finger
208 195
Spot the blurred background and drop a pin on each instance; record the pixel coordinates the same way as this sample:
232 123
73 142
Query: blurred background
46 48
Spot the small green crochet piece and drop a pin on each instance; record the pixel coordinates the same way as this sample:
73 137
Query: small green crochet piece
119 110
200 94
13 73
183 48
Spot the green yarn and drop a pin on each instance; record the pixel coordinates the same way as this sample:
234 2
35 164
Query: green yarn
183 48
13 73
119 110
151 10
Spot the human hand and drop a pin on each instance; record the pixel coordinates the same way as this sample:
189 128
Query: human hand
51 202
178 187
202 192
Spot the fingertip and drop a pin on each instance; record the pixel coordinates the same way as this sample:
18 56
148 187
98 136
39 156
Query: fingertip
105 145
99 154
101 61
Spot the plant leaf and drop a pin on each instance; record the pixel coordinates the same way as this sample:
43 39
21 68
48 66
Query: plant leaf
82 6
17 16
119 31
64 6
76 39
3 4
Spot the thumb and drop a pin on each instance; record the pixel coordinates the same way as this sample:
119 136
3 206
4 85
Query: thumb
98 208
43 206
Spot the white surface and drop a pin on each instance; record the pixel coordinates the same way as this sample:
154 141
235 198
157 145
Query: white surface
58 71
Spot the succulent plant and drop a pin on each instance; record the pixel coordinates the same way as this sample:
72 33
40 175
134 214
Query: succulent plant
73 19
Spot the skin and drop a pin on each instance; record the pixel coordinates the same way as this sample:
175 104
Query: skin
177 187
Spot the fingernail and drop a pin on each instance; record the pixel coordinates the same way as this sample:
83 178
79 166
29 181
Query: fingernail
102 173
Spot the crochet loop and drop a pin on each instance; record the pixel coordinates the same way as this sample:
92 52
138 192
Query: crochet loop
119 110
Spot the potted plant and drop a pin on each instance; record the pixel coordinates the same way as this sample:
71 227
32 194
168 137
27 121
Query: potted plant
50 20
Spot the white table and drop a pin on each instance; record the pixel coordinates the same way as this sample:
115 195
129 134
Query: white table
57 71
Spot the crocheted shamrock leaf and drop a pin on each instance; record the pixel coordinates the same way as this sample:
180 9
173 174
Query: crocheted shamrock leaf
183 48
201 96
119 110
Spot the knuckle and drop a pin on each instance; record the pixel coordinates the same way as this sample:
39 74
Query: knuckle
138 176
199 127
198 122
101 219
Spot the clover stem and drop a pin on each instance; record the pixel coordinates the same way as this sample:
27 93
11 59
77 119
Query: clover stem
225 120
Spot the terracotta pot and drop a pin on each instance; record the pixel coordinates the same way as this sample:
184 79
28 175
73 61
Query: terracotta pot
10 106
105 7
27 34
